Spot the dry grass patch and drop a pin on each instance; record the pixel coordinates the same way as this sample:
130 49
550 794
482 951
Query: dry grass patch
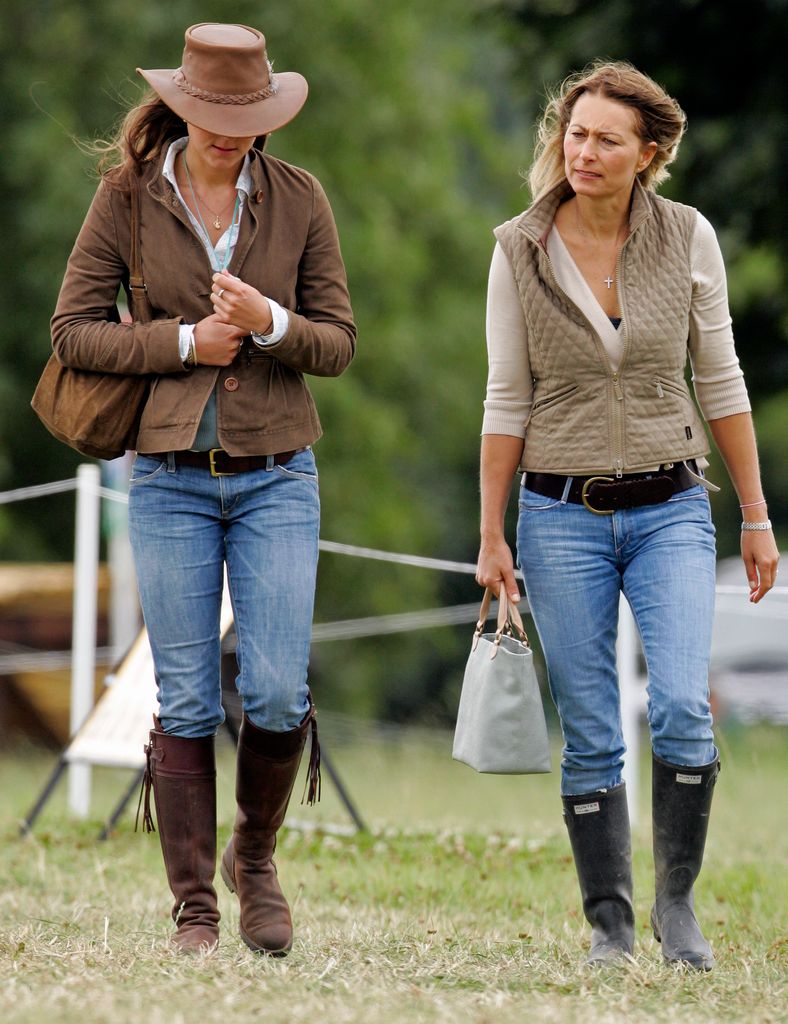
432 917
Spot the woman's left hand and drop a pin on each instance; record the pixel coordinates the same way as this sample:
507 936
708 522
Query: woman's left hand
760 554
240 304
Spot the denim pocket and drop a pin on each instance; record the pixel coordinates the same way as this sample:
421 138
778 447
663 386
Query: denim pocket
145 468
301 467
531 501
694 493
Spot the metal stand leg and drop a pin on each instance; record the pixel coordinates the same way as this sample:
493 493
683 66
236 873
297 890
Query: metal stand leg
120 806
344 796
47 791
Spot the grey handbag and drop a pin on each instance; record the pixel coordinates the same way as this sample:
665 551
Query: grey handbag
500 721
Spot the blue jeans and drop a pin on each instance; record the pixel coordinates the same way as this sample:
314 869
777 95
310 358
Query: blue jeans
575 565
184 526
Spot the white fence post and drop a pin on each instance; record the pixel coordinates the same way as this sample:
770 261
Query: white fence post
631 701
83 639
124 613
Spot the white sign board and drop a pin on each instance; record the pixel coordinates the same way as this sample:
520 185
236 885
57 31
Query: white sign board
116 731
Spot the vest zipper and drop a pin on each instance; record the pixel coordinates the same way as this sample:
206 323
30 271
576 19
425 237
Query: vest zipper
617 410
618 417
618 405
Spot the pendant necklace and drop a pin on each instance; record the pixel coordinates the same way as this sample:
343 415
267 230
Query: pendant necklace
233 223
609 280
217 222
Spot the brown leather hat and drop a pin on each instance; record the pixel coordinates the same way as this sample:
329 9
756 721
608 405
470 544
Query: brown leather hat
226 84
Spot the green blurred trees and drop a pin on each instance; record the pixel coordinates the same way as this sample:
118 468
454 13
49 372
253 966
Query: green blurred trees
399 127
725 66
417 123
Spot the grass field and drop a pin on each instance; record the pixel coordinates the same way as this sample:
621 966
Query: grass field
460 904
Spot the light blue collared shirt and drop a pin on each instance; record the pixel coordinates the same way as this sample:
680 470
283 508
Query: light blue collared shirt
221 253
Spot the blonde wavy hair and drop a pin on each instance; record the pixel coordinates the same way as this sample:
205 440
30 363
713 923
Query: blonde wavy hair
658 118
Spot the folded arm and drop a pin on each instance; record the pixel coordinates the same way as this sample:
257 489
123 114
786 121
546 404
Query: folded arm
85 331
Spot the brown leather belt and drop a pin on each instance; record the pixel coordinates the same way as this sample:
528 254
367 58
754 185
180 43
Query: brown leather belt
219 463
605 495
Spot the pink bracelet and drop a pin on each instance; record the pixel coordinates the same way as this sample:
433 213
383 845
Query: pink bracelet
752 504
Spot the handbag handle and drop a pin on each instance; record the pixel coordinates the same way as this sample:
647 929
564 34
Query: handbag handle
509 619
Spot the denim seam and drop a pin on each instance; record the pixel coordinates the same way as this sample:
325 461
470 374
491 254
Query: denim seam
645 658
619 527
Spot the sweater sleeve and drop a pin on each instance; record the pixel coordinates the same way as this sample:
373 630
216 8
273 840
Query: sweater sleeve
509 397
716 374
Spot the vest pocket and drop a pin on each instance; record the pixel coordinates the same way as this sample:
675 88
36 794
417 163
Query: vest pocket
554 398
662 385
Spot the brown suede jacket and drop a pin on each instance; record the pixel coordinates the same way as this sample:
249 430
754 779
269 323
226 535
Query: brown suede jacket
287 248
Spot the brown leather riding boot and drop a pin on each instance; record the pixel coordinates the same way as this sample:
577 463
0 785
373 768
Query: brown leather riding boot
183 775
267 768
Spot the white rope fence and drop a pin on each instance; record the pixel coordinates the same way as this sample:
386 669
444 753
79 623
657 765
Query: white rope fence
38 491
59 486
83 662
29 660
329 546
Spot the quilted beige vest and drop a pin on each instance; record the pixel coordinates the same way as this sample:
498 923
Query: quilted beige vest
586 418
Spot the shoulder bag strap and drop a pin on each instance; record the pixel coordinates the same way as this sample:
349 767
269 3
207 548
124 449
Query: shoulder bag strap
140 305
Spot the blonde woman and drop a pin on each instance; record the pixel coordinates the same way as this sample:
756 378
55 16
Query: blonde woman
599 294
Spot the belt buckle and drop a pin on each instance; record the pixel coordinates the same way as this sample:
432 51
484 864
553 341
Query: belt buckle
584 495
212 462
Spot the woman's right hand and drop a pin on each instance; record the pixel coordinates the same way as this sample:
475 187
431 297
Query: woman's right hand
496 564
216 343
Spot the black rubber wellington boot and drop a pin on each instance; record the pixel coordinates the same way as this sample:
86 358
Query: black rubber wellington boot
598 825
681 801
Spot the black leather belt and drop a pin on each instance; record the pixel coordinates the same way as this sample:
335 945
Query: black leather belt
607 494
219 463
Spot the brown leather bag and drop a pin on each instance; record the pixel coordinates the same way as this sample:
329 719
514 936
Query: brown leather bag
99 413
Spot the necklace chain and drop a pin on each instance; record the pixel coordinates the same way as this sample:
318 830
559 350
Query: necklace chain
610 279
208 237
217 223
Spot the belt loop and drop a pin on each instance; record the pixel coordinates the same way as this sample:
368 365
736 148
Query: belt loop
567 488
170 462
269 463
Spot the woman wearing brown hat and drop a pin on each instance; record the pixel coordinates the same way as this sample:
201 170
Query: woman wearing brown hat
243 271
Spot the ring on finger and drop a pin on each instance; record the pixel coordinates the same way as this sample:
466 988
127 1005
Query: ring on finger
220 293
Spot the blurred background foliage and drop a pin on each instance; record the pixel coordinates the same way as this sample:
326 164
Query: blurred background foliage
418 124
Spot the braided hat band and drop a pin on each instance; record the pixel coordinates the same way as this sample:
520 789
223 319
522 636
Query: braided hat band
226 97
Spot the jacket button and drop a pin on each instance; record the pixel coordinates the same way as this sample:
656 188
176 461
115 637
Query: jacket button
231 384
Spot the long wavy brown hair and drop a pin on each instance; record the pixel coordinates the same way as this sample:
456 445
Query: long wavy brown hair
658 118
143 135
